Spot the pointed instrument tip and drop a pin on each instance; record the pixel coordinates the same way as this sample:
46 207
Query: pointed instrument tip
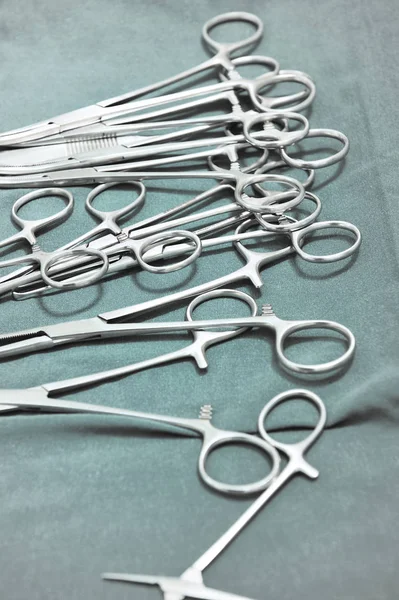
111 576
21 343
130 578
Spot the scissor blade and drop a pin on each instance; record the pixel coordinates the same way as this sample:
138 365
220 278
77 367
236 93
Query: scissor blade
174 587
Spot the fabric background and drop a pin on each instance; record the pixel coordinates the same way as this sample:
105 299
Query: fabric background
81 495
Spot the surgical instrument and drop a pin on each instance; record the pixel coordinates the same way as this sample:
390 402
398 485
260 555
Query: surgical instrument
45 159
190 584
136 240
38 397
250 272
195 350
96 113
123 243
43 259
121 142
41 397
103 327
126 125
298 233
106 109
109 219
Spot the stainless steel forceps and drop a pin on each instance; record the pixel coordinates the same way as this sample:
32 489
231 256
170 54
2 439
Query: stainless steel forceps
122 139
112 174
106 109
46 159
196 350
297 231
213 438
106 325
133 244
190 584
118 241
43 259
250 272
109 221
41 397
118 127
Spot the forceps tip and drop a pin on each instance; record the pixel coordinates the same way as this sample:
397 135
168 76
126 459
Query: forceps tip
18 343
130 578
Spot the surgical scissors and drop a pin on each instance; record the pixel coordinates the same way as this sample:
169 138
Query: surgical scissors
190 584
43 259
